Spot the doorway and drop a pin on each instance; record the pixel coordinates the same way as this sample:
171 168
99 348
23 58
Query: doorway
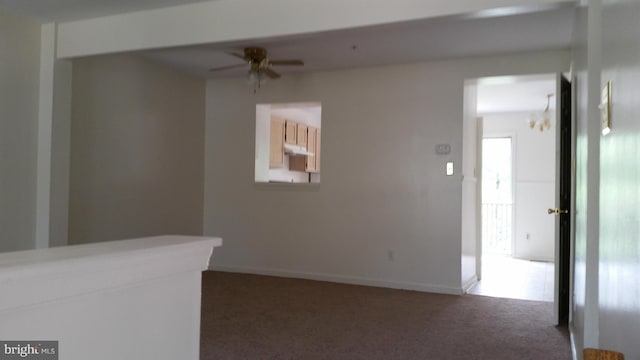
518 182
504 273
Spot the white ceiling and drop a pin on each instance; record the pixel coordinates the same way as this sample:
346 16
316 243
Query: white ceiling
516 93
536 28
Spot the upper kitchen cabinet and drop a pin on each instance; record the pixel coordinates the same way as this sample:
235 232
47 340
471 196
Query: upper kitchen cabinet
318 152
291 132
307 162
301 137
276 143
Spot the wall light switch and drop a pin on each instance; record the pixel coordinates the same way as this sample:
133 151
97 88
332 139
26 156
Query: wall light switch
450 168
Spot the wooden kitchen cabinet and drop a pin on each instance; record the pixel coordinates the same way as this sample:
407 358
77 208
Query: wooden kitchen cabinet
291 132
308 163
276 143
318 143
301 137
297 163
311 141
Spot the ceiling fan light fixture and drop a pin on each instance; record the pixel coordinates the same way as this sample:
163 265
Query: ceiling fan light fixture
253 77
256 78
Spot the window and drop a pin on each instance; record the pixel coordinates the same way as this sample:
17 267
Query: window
497 195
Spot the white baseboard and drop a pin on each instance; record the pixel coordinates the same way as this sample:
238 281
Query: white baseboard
574 351
469 284
534 258
342 279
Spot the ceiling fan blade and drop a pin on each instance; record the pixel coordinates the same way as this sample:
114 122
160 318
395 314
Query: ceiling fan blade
240 56
227 67
286 62
270 73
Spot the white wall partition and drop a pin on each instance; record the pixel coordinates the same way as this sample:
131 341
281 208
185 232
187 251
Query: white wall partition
128 299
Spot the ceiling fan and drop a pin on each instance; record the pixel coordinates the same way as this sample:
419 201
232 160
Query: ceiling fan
258 62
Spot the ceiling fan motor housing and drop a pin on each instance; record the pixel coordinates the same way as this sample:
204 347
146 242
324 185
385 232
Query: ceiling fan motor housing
255 54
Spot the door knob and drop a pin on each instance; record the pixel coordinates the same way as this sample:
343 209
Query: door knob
557 211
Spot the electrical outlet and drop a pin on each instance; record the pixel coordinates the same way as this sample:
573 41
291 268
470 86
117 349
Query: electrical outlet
443 149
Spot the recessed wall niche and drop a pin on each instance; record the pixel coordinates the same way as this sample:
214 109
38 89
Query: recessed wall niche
288 138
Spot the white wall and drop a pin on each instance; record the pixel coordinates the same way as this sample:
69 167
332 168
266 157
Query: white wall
263 126
45 130
383 187
54 119
60 154
19 82
534 183
470 264
607 256
137 148
143 295
619 247
587 65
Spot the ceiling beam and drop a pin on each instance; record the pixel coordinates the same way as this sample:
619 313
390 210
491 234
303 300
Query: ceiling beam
236 20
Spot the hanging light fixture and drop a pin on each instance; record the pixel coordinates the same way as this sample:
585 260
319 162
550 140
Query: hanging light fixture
256 78
257 74
541 121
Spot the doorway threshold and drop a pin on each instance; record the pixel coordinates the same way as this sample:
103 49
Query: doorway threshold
507 277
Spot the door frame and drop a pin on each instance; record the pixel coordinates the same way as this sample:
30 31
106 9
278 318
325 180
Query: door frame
478 174
569 256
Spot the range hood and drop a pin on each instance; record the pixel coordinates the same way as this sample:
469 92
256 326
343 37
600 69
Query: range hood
296 150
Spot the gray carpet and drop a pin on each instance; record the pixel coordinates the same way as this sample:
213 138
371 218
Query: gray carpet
261 317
